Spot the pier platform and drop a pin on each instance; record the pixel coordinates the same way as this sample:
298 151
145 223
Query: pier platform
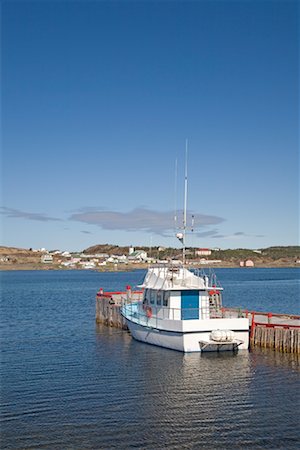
280 332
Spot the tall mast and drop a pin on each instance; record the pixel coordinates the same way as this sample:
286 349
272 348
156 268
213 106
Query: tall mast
175 196
185 201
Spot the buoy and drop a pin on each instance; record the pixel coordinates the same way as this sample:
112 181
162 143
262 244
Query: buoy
222 335
213 292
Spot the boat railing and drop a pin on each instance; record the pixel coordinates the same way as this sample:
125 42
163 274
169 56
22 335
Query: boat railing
152 315
167 268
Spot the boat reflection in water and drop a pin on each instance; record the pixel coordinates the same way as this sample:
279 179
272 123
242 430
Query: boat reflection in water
210 400
192 400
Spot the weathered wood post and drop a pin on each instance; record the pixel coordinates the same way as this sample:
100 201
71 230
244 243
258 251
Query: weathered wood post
252 330
108 309
269 317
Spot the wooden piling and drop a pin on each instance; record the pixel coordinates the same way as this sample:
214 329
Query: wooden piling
284 339
108 307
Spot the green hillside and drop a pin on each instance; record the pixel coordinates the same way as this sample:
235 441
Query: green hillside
270 253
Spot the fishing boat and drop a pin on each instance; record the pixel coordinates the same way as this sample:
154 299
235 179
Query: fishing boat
181 309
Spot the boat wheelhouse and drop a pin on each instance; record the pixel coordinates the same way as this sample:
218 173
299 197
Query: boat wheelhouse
182 310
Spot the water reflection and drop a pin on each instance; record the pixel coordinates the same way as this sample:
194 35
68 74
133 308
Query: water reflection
272 358
212 400
67 383
186 398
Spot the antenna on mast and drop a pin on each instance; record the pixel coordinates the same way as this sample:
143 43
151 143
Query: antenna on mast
175 195
185 201
181 235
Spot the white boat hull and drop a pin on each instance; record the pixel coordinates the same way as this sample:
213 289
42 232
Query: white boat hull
195 341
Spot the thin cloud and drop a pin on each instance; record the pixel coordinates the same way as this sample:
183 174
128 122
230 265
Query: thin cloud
18 214
237 235
86 209
209 233
139 219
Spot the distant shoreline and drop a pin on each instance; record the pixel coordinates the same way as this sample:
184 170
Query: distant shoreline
106 258
130 268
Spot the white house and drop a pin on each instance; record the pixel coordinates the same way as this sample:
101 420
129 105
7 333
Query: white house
112 259
75 260
68 264
87 264
247 263
138 255
203 252
122 259
47 259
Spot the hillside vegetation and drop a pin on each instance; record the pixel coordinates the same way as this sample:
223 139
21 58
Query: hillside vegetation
273 253
12 258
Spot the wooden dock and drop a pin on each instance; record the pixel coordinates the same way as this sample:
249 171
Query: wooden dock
280 332
108 307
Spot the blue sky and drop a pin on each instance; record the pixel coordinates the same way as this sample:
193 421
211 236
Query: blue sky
98 98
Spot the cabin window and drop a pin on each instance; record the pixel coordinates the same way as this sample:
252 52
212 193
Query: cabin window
158 298
166 297
152 297
146 296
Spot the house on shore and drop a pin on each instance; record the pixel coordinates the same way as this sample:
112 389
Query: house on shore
203 252
247 263
138 256
47 259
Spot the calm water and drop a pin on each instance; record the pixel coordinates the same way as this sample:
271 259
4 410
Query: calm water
67 383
